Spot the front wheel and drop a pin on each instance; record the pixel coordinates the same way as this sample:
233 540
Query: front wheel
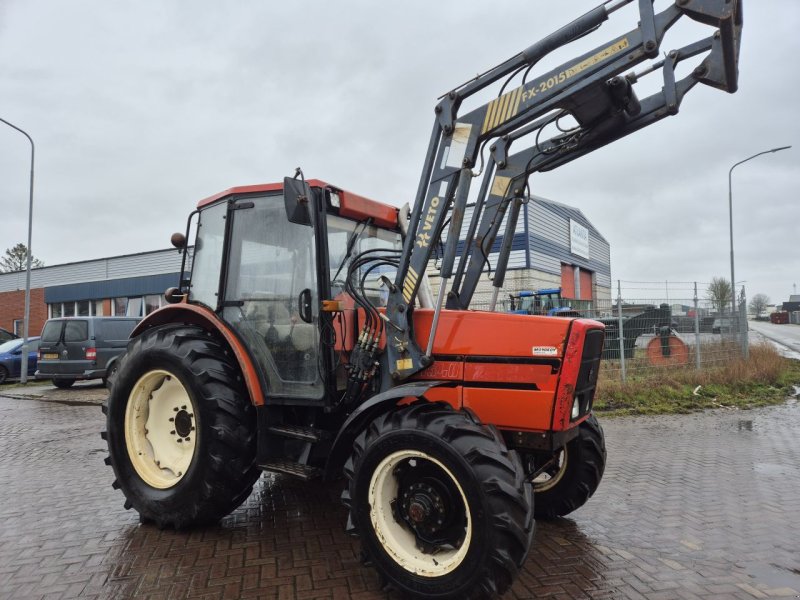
573 474
181 433
3 374
440 504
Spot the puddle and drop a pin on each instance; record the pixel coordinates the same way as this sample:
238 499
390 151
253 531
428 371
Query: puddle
775 576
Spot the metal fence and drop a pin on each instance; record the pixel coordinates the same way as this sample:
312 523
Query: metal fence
658 326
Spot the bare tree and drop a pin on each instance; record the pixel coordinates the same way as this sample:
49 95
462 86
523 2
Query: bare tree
719 293
758 304
16 259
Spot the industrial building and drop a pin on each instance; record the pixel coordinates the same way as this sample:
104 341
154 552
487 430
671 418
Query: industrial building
554 246
131 285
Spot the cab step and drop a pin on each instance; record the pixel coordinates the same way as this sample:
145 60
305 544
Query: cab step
290 467
298 432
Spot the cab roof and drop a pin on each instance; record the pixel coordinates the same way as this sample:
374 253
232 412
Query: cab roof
350 205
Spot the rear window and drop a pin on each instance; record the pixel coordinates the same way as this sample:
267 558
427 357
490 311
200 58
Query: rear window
76 331
113 329
52 331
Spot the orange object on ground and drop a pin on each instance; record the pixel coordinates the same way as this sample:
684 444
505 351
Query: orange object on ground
678 352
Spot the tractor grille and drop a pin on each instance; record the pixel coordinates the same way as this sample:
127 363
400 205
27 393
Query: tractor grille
590 367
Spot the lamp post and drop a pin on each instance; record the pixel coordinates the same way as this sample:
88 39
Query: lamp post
27 318
730 213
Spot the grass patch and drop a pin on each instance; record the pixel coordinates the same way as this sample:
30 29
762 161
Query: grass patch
766 378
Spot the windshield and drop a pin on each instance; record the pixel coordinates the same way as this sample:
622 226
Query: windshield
10 346
369 238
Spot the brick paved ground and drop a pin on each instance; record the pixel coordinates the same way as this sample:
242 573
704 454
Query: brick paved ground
701 506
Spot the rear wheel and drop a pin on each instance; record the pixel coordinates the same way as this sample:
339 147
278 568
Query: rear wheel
574 473
63 383
440 504
181 432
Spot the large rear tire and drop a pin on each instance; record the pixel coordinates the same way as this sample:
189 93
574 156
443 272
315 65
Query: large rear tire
575 473
181 432
440 504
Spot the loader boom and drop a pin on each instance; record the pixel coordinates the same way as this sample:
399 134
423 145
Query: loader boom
592 90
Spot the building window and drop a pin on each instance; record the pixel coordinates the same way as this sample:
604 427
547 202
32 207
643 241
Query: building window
80 308
134 307
151 302
120 306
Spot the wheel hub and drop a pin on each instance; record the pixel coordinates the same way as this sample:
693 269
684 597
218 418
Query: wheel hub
160 429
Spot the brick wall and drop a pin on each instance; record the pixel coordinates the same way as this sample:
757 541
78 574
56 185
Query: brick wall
12 307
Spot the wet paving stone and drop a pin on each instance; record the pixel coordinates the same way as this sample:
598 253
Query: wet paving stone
696 506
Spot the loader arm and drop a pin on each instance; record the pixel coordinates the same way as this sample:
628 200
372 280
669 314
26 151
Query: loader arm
591 90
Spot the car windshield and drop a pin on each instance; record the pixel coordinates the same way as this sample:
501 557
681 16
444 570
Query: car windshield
10 346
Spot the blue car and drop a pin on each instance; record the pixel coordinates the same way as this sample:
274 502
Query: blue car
11 358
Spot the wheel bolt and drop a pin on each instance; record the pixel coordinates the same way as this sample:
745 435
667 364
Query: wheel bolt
175 409
171 419
179 440
183 407
172 432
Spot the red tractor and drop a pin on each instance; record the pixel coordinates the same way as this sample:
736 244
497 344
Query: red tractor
302 338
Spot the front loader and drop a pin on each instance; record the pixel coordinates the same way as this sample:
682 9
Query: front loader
302 339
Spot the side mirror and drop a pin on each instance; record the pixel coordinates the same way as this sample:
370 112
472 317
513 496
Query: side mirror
297 198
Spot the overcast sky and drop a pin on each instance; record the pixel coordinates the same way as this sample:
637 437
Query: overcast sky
141 108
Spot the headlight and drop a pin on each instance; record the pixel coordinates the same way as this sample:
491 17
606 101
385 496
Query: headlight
576 409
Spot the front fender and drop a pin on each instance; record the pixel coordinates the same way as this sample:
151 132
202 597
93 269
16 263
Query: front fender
193 314
364 415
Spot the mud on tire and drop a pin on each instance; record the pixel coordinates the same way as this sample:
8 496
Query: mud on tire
577 476
177 382
440 504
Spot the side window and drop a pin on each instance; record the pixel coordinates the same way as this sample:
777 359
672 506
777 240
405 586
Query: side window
76 331
116 330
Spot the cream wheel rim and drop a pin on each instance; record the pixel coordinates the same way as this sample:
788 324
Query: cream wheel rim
396 538
548 480
160 429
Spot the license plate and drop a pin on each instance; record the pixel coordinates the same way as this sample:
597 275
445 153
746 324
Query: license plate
50 356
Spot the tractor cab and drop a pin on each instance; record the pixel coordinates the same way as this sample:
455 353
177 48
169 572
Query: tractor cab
264 267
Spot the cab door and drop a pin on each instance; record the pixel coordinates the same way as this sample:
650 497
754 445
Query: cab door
271 296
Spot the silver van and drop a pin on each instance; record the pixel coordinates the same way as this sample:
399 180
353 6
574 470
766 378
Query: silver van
76 348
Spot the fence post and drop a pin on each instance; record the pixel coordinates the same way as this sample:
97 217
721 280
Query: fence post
743 326
696 328
619 328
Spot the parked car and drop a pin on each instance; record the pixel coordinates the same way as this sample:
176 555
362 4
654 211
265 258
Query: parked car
6 335
11 358
76 348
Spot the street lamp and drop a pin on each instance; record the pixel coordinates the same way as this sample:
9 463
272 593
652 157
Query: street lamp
730 213
27 318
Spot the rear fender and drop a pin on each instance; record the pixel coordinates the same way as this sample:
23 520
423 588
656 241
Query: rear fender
364 415
193 314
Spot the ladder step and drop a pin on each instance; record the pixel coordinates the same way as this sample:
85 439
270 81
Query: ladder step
290 467
297 432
